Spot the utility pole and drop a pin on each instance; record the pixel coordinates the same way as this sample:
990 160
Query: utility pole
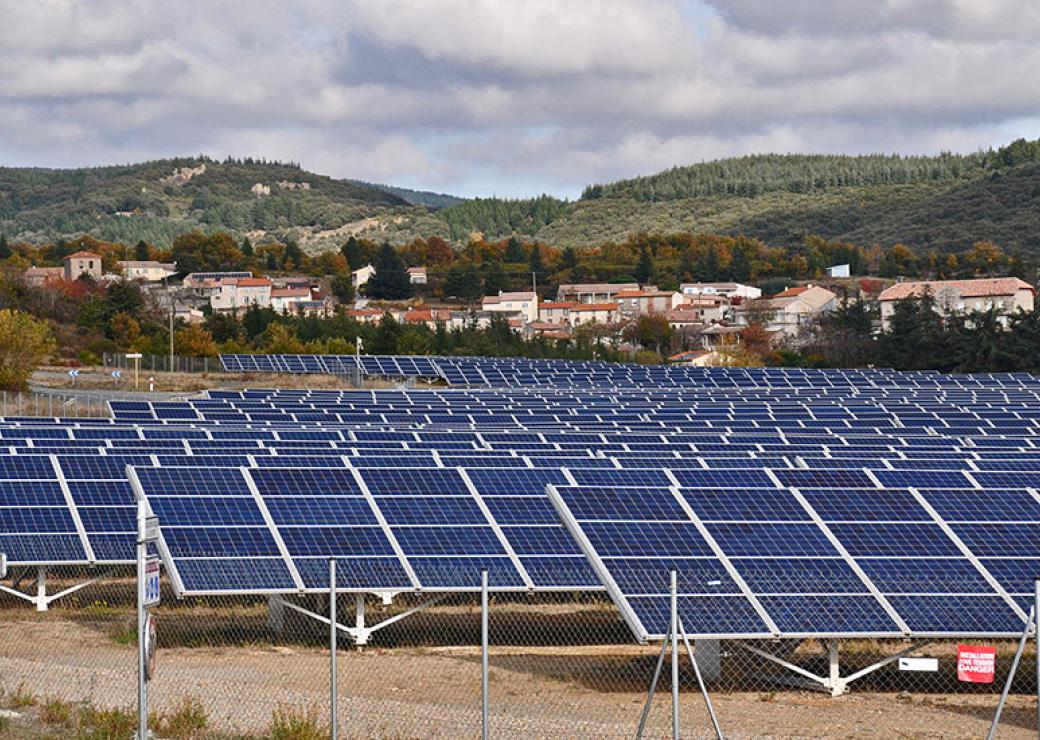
172 310
534 283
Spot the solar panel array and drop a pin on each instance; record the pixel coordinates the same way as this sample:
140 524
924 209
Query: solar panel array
792 502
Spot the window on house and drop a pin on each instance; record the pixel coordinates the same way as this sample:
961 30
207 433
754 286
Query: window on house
90 264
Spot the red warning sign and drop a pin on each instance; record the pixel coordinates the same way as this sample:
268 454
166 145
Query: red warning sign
976 663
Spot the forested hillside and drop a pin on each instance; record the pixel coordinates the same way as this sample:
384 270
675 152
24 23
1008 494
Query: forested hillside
415 197
156 201
942 203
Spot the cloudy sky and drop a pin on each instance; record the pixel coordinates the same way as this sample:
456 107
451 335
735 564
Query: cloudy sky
510 97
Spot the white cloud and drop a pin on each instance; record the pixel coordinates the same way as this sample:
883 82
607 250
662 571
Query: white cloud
526 96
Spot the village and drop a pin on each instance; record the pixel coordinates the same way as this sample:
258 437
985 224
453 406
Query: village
705 317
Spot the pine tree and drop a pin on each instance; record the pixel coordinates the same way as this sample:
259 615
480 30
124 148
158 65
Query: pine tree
534 263
708 266
352 253
569 258
739 266
142 252
514 250
247 247
294 255
5 248
495 279
390 281
645 270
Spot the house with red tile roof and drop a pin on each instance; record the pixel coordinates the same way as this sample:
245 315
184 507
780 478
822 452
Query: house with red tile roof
1007 295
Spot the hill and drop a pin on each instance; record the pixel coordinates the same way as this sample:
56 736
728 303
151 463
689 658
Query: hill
415 197
946 203
158 200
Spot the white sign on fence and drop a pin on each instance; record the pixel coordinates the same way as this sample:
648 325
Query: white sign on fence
73 373
927 665
151 581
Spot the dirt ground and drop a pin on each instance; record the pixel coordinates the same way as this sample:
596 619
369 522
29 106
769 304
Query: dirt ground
434 692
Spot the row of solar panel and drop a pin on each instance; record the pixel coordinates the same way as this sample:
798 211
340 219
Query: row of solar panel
522 371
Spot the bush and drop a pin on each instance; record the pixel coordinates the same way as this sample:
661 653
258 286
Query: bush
25 344
291 723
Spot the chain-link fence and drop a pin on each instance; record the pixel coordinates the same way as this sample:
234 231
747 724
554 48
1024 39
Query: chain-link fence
53 404
162 363
560 665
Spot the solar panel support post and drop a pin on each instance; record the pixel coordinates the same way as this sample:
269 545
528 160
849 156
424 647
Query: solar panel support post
484 668
674 629
142 685
1036 635
41 588
1030 622
700 682
333 689
653 689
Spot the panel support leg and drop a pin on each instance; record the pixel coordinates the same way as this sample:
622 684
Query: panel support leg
41 589
709 656
837 684
275 614
361 633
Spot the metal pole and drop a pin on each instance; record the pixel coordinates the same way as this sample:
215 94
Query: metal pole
1036 634
333 721
653 690
171 335
1011 674
484 695
675 657
700 682
142 688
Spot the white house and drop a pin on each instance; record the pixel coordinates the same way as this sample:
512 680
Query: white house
790 310
417 275
148 271
1007 295
525 304
592 292
362 275
838 271
647 301
594 313
241 293
727 290
287 299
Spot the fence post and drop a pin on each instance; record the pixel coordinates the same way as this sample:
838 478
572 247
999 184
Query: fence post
484 698
333 719
675 656
1036 634
36 401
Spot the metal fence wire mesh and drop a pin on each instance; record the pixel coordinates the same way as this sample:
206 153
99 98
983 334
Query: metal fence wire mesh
561 665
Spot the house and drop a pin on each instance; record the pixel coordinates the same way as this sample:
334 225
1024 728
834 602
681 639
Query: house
429 317
694 358
188 314
365 315
789 311
285 299
838 271
707 309
1006 295
201 279
324 307
240 293
719 335
417 275
524 303
681 319
83 263
362 275
42 275
726 290
148 271
639 302
592 292
594 313
548 330
556 312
